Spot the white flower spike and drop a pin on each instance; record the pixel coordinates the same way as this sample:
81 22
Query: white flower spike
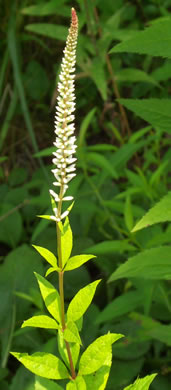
64 126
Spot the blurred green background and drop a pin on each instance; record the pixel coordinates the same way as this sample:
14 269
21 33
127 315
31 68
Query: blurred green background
123 169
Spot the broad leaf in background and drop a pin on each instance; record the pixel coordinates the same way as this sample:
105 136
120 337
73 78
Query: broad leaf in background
161 212
120 306
153 263
44 384
48 30
81 301
155 41
43 364
155 111
142 383
47 8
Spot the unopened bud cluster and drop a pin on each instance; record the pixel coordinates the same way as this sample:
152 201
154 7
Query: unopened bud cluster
64 127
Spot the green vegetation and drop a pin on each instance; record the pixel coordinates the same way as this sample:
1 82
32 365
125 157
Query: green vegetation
122 201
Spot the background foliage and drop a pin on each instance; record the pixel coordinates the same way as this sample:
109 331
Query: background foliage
123 130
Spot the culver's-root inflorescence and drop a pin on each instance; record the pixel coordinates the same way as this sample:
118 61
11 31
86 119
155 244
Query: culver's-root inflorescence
64 159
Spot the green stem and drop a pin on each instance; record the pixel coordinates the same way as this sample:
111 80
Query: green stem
61 286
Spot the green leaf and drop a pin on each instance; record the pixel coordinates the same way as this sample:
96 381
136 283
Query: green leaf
153 264
43 364
48 256
161 212
135 75
120 306
84 126
108 247
44 384
97 74
74 347
47 8
155 111
66 240
101 162
48 30
81 301
41 321
71 333
51 269
95 355
98 380
154 41
77 261
50 296
77 384
141 383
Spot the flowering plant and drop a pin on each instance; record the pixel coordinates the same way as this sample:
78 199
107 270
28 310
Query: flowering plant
89 371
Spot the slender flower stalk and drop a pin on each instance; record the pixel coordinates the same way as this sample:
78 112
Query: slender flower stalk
64 127
65 148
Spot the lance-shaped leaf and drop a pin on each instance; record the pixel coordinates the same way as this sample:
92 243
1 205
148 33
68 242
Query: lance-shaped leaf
66 240
50 296
141 383
74 347
71 333
48 256
161 212
81 301
153 264
77 261
41 321
44 384
43 364
52 269
95 355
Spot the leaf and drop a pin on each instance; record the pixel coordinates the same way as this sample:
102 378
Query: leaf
155 111
11 225
109 247
155 41
77 384
84 126
101 162
98 380
50 296
97 74
135 75
48 256
44 384
66 240
48 8
81 301
41 321
50 270
71 333
161 212
77 261
48 30
120 306
43 364
152 264
141 383
95 355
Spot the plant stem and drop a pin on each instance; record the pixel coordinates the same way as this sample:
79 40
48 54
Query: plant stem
61 286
